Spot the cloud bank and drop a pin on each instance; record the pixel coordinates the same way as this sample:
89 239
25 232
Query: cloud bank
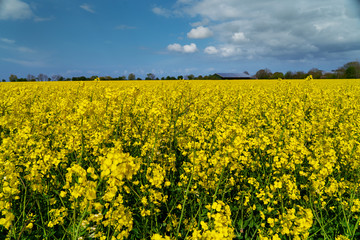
280 29
14 10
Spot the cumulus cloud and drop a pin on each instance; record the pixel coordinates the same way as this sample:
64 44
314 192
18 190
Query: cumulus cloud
239 37
230 51
280 29
175 47
200 32
161 11
87 8
224 51
14 9
190 48
211 50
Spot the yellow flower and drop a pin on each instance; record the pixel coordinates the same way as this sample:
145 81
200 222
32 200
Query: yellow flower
271 222
276 237
29 226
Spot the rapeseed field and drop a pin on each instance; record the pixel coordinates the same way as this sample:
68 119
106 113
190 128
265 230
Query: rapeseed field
156 160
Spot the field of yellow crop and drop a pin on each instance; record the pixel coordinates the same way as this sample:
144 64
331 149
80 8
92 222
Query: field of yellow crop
159 160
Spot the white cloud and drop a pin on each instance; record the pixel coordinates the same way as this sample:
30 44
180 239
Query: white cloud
14 9
224 51
211 50
175 47
200 32
200 23
8 41
40 19
230 51
184 1
239 37
73 72
25 63
25 50
190 48
279 29
11 45
87 8
161 11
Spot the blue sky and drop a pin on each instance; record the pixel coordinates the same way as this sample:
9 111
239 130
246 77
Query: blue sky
179 37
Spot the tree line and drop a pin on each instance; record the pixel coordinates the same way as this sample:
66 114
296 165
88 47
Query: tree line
349 70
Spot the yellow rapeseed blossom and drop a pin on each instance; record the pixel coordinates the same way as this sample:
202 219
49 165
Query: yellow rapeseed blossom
180 159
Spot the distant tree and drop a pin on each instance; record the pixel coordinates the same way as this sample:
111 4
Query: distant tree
350 72
190 76
81 78
150 76
316 73
355 64
339 73
289 75
4 80
42 77
55 77
13 78
122 77
180 77
31 78
263 74
299 75
214 77
108 78
93 77
138 79
246 72
131 76
277 75
329 75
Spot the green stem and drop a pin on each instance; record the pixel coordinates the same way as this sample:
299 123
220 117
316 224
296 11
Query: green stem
184 202
41 217
80 221
317 219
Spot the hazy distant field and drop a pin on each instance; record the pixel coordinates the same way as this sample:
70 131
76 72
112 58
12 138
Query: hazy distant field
239 159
